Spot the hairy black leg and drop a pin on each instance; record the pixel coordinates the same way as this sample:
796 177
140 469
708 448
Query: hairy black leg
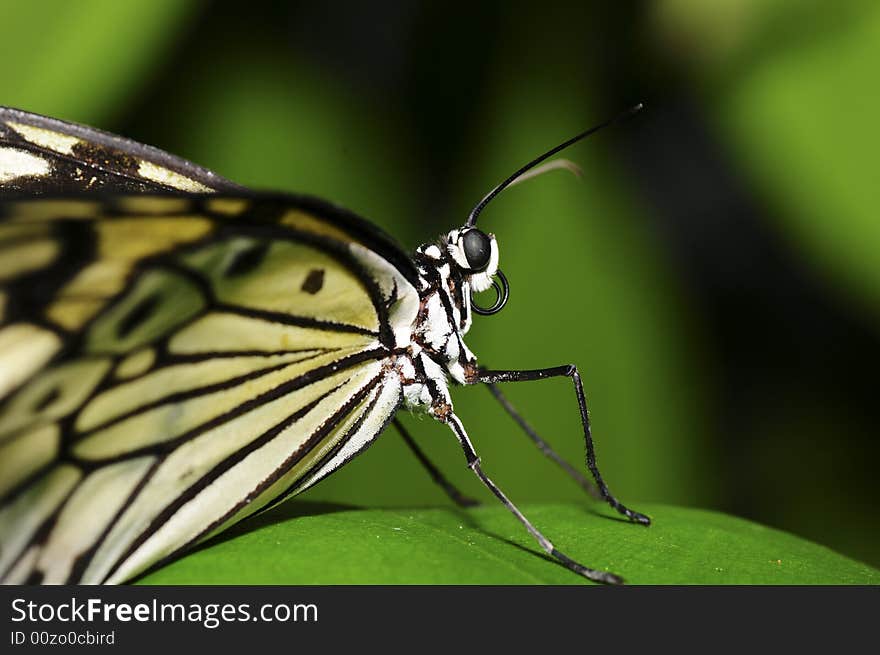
457 497
569 371
473 462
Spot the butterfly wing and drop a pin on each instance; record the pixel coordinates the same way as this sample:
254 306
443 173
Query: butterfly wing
169 365
41 155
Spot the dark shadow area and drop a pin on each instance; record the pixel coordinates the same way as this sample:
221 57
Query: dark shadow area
296 509
279 514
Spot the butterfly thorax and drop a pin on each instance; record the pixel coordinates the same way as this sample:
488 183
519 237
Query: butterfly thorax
438 351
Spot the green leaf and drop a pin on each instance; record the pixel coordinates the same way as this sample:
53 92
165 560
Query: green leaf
314 543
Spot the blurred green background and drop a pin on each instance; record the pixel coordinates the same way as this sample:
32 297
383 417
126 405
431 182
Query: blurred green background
714 275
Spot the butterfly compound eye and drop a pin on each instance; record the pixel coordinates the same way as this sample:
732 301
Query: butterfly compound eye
477 249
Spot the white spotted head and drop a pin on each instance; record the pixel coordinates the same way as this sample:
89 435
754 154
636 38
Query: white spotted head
476 255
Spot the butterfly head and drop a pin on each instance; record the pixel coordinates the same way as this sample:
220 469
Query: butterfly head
475 254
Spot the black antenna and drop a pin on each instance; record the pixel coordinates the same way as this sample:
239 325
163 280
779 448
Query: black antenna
472 217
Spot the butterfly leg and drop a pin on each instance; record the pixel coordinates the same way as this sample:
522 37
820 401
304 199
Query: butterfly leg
473 462
454 494
542 445
570 371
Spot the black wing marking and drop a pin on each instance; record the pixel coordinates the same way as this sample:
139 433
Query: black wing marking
41 155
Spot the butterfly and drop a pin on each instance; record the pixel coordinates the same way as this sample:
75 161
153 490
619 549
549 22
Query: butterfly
178 352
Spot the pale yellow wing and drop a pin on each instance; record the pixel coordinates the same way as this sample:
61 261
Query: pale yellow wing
170 365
